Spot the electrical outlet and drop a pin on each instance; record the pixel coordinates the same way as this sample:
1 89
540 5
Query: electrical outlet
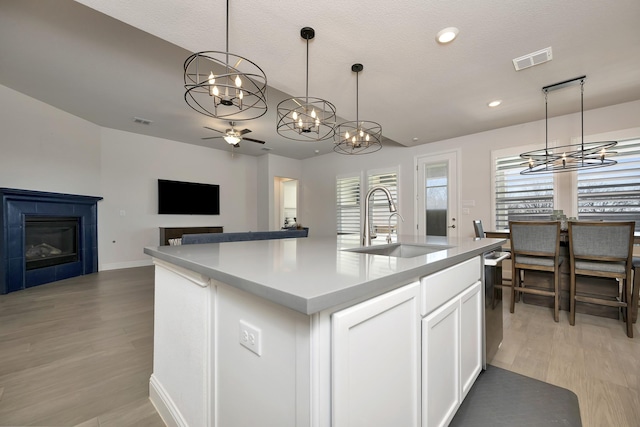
250 337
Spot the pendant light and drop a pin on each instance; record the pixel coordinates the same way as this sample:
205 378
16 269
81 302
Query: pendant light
223 85
359 137
306 118
585 155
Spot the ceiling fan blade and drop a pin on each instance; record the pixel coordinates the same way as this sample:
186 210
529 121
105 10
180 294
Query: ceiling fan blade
243 131
216 130
253 140
212 137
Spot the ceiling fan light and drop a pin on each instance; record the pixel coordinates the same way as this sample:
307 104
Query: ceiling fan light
231 139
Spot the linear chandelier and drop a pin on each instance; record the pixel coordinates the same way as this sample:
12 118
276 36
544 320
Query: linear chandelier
585 155
223 85
306 118
359 137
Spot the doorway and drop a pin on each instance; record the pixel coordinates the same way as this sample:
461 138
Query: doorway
286 197
437 194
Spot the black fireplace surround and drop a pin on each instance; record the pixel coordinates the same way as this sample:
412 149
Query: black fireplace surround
75 217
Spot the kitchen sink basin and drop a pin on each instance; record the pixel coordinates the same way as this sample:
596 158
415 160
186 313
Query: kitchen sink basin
400 250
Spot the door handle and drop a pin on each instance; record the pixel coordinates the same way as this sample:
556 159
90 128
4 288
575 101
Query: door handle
452 226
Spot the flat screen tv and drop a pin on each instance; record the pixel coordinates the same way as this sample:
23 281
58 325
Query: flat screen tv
188 198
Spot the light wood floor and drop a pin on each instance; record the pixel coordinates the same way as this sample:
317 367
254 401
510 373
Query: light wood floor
595 359
79 353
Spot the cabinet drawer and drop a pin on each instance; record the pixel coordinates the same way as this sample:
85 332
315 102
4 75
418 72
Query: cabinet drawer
440 287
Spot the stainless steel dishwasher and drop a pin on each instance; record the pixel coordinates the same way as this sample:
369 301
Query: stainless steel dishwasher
493 303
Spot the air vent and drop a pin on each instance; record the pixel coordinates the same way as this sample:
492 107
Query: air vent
142 121
532 59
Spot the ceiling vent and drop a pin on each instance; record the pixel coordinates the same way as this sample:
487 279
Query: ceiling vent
532 59
142 121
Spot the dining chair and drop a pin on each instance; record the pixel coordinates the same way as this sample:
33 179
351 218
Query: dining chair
477 226
535 245
636 288
602 249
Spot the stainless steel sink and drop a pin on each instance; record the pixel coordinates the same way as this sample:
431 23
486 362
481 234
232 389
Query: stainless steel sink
400 250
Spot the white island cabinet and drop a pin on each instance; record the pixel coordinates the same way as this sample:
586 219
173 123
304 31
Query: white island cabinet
451 340
308 335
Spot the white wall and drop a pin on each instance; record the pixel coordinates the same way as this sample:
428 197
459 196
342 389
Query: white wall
131 165
45 149
319 173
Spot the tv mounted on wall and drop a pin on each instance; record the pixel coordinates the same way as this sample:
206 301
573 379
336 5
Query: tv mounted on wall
188 198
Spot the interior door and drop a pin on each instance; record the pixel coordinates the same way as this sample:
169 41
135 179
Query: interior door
437 195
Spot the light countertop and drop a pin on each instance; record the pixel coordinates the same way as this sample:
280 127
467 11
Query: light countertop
315 273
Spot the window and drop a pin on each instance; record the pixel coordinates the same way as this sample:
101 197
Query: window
348 204
520 197
612 193
349 195
379 204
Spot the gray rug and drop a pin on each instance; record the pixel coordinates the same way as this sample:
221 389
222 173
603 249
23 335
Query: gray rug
501 398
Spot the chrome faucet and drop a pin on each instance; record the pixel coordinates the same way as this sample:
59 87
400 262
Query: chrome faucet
366 231
391 216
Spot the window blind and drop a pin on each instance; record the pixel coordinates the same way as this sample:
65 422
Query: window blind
379 205
348 205
612 193
520 197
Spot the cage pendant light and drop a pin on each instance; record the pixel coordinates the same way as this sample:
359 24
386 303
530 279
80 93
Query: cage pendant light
223 85
306 118
585 155
359 137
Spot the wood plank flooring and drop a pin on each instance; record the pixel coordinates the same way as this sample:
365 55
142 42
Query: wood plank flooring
78 352
595 359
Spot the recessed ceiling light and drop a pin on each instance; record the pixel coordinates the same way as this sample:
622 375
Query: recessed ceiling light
447 35
495 103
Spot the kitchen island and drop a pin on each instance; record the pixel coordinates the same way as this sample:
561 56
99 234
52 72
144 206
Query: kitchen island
307 332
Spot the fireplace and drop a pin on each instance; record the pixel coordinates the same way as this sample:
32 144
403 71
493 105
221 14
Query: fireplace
50 241
45 237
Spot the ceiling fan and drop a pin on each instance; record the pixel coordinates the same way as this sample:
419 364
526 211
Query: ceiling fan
233 136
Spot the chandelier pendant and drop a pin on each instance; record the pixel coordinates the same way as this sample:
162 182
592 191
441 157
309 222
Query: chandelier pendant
223 85
359 136
306 118
585 155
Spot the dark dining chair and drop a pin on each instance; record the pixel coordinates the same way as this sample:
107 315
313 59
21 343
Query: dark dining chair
535 245
602 249
477 226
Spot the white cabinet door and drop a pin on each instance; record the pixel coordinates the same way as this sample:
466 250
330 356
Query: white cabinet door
441 364
470 336
376 361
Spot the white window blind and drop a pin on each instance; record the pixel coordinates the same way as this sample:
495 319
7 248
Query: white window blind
520 197
612 193
348 204
349 195
379 205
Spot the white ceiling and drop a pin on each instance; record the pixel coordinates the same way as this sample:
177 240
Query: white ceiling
120 59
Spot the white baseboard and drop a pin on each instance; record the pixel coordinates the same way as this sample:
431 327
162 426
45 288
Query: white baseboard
128 264
164 405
